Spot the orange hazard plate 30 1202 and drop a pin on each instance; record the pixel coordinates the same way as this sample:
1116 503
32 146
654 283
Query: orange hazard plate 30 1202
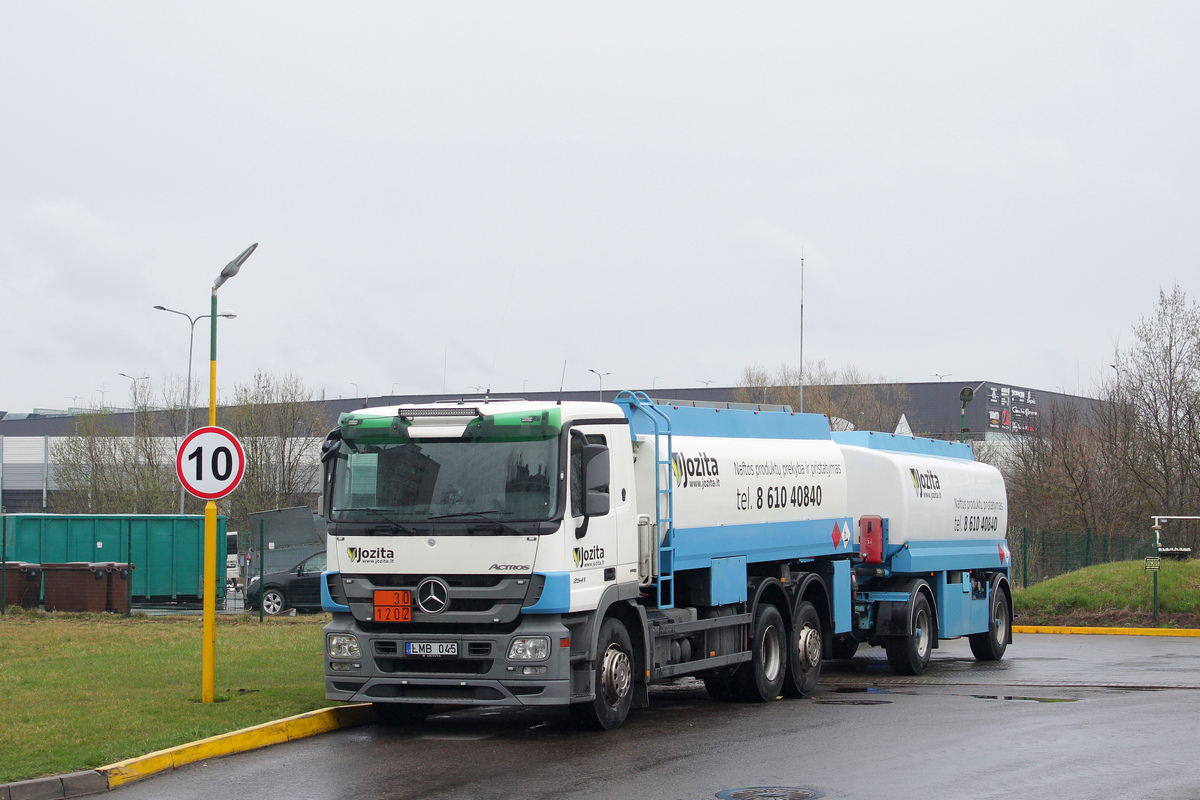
393 605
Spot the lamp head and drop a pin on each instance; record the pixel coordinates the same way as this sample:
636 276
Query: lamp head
232 267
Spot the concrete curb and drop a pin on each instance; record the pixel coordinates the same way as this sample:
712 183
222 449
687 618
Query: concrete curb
1102 631
78 784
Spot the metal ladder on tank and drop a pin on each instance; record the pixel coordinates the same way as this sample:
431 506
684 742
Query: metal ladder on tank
664 505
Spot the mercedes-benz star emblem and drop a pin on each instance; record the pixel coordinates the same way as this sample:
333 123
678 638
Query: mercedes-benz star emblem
432 596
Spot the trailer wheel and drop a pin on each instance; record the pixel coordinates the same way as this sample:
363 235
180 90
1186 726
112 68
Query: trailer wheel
990 646
804 654
909 655
613 682
844 646
401 713
760 679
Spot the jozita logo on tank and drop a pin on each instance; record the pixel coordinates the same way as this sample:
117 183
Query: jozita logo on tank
926 484
370 555
700 471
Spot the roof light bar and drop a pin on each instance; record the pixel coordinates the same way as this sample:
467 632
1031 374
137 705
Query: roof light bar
464 411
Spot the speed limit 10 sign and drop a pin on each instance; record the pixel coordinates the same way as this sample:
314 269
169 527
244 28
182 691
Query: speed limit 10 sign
210 463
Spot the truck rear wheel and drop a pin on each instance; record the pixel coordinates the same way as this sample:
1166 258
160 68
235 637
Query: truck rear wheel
613 680
909 655
990 646
804 655
760 679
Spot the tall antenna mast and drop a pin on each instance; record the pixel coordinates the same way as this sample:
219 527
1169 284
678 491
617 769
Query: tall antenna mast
802 329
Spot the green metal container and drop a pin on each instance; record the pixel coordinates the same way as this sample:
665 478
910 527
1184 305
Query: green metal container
167 550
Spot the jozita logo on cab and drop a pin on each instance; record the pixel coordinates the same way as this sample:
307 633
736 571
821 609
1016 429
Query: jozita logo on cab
370 555
591 557
926 484
698 471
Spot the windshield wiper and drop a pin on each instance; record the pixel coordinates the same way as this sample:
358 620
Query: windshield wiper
392 524
483 515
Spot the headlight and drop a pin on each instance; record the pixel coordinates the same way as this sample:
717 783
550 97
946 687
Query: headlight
343 645
529 648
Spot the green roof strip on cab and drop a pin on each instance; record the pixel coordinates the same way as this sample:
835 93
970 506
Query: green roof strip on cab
517 425
355 425
507 425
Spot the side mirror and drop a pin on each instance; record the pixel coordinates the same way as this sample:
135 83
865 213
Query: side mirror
596 480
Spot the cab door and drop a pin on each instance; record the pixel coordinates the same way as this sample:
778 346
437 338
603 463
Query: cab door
593 546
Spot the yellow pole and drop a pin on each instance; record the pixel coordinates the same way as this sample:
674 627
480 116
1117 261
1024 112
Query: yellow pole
208 651
209 647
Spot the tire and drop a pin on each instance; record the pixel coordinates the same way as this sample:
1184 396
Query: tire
804 653
719 687
844 646
613 683
401 713
909 655
760 679
273 602
990 646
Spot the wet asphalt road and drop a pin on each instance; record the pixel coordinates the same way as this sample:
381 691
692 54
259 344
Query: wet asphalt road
1061 717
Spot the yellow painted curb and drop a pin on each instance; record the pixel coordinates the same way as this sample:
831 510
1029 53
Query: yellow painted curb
1107 631
277 732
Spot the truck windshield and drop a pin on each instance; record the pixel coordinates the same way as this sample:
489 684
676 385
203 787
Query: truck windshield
453 478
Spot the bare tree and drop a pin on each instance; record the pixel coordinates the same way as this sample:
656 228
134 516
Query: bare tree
281 428
1137 454
852 398
107 468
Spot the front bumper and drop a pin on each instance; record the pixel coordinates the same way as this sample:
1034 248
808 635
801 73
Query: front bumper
480 674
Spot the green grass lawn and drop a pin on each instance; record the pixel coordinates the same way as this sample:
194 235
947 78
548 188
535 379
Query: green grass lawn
1121 590
79 691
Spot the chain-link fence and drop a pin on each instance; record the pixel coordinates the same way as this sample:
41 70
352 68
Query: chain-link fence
1038 555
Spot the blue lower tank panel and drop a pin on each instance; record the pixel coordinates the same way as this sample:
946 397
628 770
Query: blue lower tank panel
940 556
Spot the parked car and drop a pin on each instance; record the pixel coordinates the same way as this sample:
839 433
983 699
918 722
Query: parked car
298 588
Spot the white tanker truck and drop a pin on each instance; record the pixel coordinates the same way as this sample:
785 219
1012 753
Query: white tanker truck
540 553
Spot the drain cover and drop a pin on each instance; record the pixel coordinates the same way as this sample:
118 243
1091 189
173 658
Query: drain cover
769 793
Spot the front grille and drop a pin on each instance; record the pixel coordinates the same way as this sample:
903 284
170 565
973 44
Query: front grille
434 666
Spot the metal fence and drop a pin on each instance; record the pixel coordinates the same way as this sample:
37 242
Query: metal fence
1038 555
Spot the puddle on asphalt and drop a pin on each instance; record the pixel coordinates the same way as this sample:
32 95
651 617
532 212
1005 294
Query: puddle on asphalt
837 701
860 690
1029 699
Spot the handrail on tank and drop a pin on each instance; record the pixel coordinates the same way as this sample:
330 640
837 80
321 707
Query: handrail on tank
666 534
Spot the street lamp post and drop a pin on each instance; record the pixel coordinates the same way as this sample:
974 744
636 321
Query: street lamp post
209 648
600 375
187 408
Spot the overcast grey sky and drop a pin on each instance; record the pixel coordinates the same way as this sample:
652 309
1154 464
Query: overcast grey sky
472 193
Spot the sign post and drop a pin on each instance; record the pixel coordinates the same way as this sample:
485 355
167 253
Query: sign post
210 464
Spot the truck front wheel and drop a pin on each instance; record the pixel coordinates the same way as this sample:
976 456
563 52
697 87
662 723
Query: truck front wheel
804 656
613 680
760 679
909 655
